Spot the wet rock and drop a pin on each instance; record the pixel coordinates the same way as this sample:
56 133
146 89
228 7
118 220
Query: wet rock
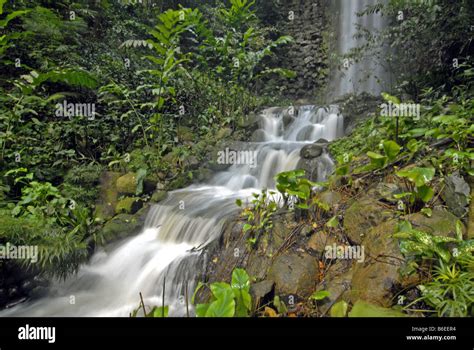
363 215
202 175
250 120
258 136
441 223
311 151
456 194
159 196
322 141
129 205
108 196
124 225
294 274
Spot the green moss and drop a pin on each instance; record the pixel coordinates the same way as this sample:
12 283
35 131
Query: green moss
127 184
129 205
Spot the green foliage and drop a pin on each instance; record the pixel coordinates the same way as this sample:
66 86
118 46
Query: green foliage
339 309
259 216
419 178
320 295
433 32
421 245
450 292
292 184
227 300
364 309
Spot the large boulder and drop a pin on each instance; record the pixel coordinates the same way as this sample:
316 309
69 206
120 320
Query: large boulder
311 151
378 277
363 215
294 274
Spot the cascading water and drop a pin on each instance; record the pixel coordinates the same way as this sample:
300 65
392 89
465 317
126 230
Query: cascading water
168 249
368 74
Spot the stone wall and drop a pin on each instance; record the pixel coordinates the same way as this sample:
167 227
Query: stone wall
305 21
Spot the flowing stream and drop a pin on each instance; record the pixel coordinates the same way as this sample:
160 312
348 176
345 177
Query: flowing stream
168 249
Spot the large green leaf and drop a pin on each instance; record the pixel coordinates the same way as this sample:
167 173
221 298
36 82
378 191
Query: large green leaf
339 309
320 295
364 309
377 160
419 176
220 289
223 306
240 279
392 149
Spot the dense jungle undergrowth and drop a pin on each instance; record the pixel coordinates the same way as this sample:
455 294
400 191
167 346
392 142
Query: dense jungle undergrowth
155 88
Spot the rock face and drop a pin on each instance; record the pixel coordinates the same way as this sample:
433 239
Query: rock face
294 274
456 194
305 21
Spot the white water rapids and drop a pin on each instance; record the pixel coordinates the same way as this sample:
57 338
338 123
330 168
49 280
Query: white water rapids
109 285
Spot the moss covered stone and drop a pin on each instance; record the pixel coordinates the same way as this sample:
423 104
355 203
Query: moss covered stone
124 225
127 184
129 205
159 196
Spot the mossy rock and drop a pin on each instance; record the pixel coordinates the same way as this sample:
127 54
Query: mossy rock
108 196
182 181
129 205
124 225
159 196
127 184
441 223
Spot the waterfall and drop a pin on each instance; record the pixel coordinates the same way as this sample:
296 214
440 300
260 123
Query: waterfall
168 252
367 75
